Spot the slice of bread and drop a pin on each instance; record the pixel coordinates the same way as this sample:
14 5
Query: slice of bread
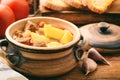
98 6
56 5
75 3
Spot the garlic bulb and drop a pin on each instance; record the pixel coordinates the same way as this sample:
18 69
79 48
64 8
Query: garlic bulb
88 65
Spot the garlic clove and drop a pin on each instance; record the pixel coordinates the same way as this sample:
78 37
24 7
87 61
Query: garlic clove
96 56
88 66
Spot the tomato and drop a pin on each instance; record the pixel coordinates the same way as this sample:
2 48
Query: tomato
19 7
6 18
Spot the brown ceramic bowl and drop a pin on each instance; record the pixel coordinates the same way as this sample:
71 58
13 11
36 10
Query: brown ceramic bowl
44 61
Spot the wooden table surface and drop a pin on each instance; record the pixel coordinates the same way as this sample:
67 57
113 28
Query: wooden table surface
103 72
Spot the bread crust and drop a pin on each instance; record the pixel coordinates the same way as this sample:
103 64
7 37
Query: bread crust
98 6
75 3
56 5
115 7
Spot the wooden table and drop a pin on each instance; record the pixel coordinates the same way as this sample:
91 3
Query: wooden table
103 72
80 18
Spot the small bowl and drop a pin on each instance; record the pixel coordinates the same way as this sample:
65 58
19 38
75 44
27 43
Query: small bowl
44 61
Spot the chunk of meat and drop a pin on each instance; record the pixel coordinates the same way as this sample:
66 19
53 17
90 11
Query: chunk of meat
18 34
39 44
24 40
31 26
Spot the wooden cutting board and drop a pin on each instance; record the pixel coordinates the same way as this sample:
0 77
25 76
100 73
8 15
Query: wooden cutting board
82 17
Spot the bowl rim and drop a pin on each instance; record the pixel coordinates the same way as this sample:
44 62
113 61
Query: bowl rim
73 42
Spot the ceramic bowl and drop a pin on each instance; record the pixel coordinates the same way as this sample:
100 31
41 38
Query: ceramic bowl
43 61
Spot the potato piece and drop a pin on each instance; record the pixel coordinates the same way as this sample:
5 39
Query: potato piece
53 44
38 38
67 37
53 32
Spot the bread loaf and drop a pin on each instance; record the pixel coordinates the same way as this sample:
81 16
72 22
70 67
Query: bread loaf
98 6
57 5
75 3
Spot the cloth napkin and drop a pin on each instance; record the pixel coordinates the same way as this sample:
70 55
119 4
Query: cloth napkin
6 72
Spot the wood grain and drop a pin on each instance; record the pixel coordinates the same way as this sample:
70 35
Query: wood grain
103 72
85 16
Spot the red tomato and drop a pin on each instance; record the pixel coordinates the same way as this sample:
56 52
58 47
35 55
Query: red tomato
19 7
6 18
